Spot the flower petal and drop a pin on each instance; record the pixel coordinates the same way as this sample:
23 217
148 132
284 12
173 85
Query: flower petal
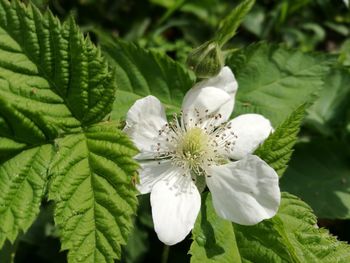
201 104
174 212
153 171
143 122
245 192
250 130
225 80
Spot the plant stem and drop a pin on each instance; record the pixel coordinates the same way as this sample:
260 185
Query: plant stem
165 254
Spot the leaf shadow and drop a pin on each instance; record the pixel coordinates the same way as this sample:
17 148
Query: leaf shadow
212 249
319 174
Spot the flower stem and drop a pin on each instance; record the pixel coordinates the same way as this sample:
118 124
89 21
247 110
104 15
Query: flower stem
165 254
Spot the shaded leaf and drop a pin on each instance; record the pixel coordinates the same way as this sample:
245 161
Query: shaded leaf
22 185
291 236
141 73
329 110
320 174
213 237
274 81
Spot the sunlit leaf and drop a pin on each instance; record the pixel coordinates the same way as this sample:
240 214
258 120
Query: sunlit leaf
55 87
291 236
278 148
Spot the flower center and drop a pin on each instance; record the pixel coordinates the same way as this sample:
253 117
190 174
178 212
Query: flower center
192 147
197 145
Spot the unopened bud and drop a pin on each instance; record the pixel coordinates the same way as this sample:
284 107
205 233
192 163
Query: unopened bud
206 60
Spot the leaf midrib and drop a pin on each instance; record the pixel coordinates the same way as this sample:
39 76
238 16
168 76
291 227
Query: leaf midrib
94 202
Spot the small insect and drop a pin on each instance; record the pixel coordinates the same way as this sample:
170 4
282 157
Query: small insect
135 179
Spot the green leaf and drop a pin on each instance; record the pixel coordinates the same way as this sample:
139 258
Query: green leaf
137 246
229 25
55 89
278 148
291 236
50 71
94 195
329 110
141 73
320 174
169 4
22 185
139 242
7 252
213 237
274 81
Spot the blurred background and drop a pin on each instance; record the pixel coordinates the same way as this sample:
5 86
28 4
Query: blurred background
319 172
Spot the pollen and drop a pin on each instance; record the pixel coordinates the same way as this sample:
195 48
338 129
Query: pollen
194 142
193 146
197 145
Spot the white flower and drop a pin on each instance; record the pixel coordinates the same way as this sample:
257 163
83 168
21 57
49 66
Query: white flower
200 145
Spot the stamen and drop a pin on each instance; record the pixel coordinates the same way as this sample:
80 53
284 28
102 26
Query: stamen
195 146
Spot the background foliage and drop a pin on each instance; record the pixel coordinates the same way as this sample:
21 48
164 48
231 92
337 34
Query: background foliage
317 82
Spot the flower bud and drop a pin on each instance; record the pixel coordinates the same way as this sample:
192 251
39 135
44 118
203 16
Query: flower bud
206 60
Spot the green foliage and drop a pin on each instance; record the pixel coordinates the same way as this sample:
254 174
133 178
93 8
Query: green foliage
139 242
55 88
229 25
320 174
141 73
344 56
57 91
329 110
278 148
40 242
322 162
282 81
22 184
7 252
213 237
274 81
55 56
92 190
137 246
291 236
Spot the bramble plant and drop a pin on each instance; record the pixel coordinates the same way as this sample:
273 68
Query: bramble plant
84 127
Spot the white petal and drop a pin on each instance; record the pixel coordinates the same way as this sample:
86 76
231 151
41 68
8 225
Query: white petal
143 122
174 213
153 171
200 102
251 130
245 192
225 80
